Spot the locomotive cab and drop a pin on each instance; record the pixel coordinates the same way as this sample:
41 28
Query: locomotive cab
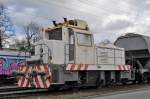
67 44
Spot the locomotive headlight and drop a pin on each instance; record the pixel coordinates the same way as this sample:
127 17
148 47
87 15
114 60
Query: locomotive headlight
41 50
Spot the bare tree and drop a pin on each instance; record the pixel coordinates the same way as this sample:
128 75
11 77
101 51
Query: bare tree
32 31
20 44
6 26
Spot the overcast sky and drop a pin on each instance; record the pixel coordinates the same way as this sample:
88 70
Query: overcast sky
107 19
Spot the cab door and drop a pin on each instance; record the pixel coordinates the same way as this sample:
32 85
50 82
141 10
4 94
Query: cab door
71 46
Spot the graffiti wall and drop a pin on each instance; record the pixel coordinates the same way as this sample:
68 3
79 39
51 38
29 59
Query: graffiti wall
9 65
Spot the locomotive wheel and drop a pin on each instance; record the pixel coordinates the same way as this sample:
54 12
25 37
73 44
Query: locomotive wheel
133 82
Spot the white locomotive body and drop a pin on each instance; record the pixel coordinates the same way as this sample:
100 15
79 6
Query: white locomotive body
69 50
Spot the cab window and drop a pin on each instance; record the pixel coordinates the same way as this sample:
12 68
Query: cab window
55 34
84 39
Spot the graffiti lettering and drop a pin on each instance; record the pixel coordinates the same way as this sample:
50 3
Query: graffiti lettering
2 62
7 63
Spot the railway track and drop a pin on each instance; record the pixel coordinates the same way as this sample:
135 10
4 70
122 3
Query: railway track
13 92
10 92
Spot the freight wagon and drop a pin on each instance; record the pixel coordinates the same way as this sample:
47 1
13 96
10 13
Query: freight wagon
137 52
10 61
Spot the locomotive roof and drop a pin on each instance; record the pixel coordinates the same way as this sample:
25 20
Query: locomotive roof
140 42
132 35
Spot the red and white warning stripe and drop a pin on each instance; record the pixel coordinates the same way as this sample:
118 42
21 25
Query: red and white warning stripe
24 81
77 67
123 67
41 81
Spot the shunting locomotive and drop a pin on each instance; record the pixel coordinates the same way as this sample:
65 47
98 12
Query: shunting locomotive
67 56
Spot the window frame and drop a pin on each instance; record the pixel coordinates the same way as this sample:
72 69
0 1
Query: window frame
91 44
49 32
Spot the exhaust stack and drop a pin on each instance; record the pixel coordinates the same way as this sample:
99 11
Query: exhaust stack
54 23
65 19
